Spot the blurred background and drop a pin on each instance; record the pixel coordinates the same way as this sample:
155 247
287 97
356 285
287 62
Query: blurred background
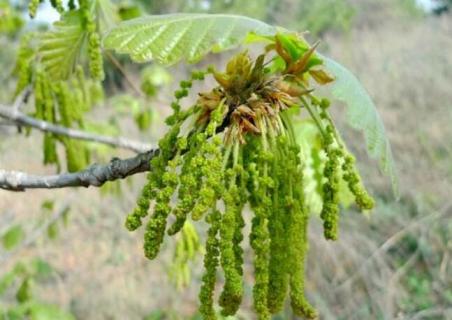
70 246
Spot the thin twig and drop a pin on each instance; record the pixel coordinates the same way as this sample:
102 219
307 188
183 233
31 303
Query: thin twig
431 313
21 98
124 73
94 175
119 142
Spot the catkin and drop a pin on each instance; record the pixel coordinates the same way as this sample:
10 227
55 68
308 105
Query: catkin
236 147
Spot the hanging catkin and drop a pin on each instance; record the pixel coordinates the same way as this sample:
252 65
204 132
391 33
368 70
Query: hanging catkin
235 148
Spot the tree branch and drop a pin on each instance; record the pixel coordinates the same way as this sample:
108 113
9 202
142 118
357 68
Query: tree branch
13 114
94 175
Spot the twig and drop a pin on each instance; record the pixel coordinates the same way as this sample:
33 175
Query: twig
94 175
432 312
119 142
21 98
124 73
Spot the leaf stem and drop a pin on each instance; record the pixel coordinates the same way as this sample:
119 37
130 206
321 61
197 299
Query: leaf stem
314 117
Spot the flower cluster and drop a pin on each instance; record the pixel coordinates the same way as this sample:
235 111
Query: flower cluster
235 147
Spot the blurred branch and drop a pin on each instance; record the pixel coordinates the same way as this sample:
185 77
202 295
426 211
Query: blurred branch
123 72
35 234
431 313
13 114
94 175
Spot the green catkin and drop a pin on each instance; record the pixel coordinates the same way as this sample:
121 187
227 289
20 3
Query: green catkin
349 173
211 261
23 66
330 210
231 296
189 178
155 229
154 179
297 237
279 241
259 243
237 147
188 192
213 177
363 200
95 56
186 249
298 231
211 170
33 7
71 4
212 185
58 5
46 111
95 60
69 102
240 201
259 237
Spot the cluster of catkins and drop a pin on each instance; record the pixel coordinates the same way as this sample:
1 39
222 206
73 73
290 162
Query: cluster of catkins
63 103
87 13
236 147
33 6
62 99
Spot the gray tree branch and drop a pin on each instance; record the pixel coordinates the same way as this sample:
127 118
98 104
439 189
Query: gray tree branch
94 175
13 114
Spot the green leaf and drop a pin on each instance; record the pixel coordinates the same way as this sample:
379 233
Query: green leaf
174 37
52 231
41 269
12 237
41 311
24 293
15 312
48 205
362 115
155 315
6 281
107 14
60 47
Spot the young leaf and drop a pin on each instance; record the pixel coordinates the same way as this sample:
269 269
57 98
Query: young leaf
40 268
174 37
6 281
61 46
42 311
24 293
362 115
13 237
